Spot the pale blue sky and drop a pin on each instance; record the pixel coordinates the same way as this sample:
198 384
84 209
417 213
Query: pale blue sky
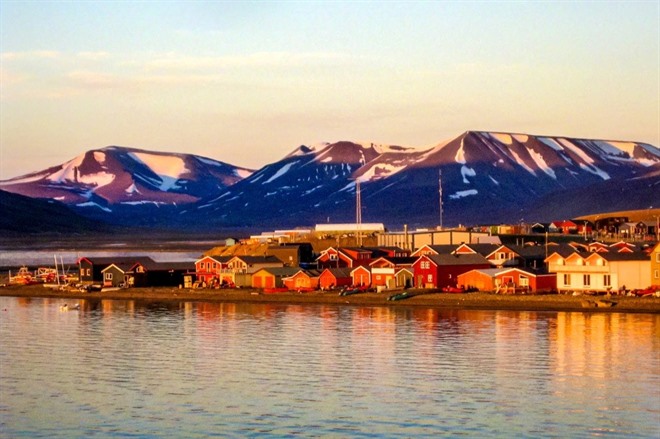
246 82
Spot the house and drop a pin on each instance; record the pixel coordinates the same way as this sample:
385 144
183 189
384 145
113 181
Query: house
90 268
361 276
335 277
210 269
303 280
623 247
293 254
508 280
655 265
404 278
272 277
160 274
439 271
114 275
343 258
539 228
600 272
564 227
252 264
384 269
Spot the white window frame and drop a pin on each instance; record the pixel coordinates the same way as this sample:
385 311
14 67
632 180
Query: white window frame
107 276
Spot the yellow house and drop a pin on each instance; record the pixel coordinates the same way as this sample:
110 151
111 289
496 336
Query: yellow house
600 272
655 265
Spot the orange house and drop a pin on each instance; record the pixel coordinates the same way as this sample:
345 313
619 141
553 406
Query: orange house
507 280
303 280
335 277
361 276
272 277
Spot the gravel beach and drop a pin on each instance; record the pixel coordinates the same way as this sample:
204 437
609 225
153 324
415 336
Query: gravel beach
477 301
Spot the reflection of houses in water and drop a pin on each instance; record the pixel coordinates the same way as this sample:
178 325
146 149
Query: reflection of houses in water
596 344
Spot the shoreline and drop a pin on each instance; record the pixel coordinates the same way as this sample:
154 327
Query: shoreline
472 301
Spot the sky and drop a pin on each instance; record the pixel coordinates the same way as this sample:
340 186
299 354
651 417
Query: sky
247 82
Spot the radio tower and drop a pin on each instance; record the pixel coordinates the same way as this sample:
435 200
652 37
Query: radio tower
440 194
358 212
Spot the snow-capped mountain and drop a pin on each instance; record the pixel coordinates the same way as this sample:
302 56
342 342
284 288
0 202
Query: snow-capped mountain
117 176
485 177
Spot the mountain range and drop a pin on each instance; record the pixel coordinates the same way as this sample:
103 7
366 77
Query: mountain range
484 177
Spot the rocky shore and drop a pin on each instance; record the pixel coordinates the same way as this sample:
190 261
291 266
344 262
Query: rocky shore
477 301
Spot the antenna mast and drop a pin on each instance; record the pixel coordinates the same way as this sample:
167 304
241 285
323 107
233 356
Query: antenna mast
358 212
440 194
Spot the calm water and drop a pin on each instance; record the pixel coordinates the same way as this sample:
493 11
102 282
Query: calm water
132 369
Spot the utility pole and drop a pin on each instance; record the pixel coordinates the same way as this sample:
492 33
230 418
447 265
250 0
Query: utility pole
440 194
358 212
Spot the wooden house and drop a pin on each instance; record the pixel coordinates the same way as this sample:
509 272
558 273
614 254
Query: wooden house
508 281
212 268
252 264
439 271
384 269
655 265
90 268
361 276
404 278
114 275
160 274
303 280
600 272
272 277
293 254
331 278
564 227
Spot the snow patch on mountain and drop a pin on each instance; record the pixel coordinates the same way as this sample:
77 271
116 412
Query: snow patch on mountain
171 166
280 172
463 194
552 143
502 138
93 204
132 189
467 172
540 162
522 163
460 155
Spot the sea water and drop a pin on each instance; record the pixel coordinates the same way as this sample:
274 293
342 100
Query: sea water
146 369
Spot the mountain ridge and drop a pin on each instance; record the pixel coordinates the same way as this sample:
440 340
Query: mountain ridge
486 177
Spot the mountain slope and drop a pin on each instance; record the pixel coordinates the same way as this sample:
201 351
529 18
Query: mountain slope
115 175
25 215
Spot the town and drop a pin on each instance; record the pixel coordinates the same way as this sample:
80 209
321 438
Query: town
610 256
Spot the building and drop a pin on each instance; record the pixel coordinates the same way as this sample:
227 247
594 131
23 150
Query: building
442 270
293 254
413 240
272 277
508 281
655 265
331 278
600 272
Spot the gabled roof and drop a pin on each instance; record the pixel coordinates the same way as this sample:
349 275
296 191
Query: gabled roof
616 256
280 271
116 260
164 266
456 259
339 272
483 249
123 267
251 260
396 260
218 258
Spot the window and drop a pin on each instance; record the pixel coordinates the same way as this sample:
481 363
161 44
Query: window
656 274
332 257
524 281
586 280
657 257
214 265
429 278
89 272
607 282
567 279
108 276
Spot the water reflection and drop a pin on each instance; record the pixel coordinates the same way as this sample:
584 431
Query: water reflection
234 369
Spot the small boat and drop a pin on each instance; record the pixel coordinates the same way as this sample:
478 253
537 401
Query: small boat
400 296
23 277
350 292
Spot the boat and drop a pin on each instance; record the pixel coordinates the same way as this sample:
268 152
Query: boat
350 292
400 296
23 277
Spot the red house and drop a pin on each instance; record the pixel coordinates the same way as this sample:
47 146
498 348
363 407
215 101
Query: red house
508 281
210 268
335 277
439 271
361 276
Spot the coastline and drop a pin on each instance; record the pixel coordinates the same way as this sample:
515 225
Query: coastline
474 301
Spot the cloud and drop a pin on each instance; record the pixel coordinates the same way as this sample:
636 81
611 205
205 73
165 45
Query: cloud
93 56
35 54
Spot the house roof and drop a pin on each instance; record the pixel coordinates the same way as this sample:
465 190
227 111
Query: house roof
280 271
458 259
121 266
340 272
117 260
251 260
